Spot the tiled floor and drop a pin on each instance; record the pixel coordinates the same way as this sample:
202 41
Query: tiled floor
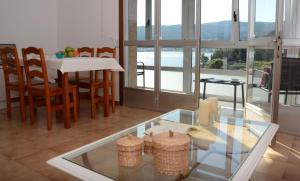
24 149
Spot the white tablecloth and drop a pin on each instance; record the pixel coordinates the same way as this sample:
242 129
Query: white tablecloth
78 64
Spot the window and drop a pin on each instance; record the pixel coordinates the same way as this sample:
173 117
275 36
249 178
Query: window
177 69
243 17
261 78
265 18
223 64
177 19
145 67
145 20
216 19
139 66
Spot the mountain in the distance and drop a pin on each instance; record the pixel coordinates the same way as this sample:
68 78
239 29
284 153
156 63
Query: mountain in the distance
213 31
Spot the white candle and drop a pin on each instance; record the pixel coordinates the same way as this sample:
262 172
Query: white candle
214 108
204 112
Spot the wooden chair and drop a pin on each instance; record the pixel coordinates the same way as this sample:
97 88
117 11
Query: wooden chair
11 67
103 52
36 68
94 84
84 52
141 71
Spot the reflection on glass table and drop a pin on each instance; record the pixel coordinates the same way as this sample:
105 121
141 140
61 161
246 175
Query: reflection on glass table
225 150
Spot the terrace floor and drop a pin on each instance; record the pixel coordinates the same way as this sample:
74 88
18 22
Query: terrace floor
25 149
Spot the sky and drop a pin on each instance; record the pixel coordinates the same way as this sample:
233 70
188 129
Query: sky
212 11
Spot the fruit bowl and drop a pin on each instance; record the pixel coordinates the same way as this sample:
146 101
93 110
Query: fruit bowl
70 52
60 55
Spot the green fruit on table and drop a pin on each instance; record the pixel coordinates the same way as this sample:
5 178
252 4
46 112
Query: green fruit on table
70 54
69 49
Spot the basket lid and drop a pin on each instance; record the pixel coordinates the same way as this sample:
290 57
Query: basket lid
172 141
129 141
148 138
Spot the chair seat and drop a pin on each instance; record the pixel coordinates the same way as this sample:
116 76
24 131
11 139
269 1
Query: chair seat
87 84
73 79
54 89
15 85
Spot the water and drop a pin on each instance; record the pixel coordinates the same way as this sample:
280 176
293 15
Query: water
168 58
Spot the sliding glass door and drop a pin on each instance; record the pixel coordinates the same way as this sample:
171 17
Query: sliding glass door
262 59
288 76
240 39
162 40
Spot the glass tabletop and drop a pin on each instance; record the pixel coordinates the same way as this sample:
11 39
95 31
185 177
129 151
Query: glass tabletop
216 153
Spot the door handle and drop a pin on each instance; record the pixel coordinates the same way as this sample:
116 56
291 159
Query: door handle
234 16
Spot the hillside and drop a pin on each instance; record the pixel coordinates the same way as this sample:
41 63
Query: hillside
212 31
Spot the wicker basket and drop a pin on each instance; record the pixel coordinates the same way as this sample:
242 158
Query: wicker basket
171 153
148 144
129 151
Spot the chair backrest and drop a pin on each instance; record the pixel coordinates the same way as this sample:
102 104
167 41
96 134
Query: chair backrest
289 79
86 52
11 65
290 69
35 66
102 52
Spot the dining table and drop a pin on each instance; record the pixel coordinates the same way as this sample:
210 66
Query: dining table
64 66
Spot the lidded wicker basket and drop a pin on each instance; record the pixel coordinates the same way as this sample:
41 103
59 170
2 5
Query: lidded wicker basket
129 151
171 153
148 144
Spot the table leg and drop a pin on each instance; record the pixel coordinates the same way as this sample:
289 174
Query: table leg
58 100
243 98
204 90
66 99
106 93
234 97
59 78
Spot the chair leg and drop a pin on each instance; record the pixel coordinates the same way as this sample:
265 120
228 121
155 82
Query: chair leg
49 113
78 100
34 108
113 104
57 101
97 94
31 109
75 105
97 90
285 96
93 103
22 106
144 83
8 103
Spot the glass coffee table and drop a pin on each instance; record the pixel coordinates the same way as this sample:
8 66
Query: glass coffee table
228 149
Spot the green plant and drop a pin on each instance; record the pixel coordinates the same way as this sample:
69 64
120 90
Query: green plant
214 64
262 64
237 66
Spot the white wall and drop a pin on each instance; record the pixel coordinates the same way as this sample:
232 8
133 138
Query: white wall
29 23
110 22
79 23
54 24
87 23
